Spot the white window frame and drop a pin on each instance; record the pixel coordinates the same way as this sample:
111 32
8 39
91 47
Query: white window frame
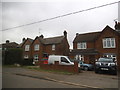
27 47
53 47
36 57
36 47
79 57
81 45
109 43
26 56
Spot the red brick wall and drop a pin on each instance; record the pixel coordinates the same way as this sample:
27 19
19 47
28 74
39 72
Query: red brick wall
69 68
27 52
99 43
40 52
89 45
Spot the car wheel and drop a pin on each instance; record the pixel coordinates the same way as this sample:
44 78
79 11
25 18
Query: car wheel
86 68
96 71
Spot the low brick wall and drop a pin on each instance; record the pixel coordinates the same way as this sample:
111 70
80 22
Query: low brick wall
69 68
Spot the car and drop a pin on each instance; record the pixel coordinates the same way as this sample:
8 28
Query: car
85 66
106 64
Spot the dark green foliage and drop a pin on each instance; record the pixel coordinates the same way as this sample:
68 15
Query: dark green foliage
27 62
12 56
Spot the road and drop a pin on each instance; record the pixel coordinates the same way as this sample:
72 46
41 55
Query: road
17 81
25 78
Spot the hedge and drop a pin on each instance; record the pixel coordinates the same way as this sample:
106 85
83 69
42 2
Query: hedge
12 56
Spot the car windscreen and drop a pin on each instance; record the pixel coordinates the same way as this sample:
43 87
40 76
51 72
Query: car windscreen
105 60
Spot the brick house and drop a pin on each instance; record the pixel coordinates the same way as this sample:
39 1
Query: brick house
8 44
90 46
41 46
26 45
84 47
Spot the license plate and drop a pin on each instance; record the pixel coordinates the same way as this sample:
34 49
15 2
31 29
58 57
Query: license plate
104 68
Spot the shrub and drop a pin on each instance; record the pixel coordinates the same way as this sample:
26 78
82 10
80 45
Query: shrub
12 56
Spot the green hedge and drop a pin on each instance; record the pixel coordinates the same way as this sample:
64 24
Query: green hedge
12 56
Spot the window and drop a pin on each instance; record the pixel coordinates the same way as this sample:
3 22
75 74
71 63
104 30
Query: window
81 45
27 47
79 57
109 43
53 47
36 58
36 47
26 57
64 60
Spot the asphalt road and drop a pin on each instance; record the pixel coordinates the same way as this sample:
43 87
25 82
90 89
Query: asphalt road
17 81
25 78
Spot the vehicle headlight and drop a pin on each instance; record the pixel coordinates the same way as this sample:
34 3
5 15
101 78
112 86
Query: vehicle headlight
98 63
111 64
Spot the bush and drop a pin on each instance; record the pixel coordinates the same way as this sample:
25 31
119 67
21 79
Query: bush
27 62
12 56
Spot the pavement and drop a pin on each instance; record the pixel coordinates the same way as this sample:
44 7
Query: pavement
87 79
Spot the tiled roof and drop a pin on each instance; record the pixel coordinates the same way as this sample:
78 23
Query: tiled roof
52 40
10 45
86 37
88 51
21 44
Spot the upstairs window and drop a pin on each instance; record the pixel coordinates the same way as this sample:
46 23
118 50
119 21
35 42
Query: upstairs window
27 47
109 43
81 45
53 47
36 47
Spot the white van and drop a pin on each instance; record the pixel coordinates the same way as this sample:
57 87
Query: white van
63 60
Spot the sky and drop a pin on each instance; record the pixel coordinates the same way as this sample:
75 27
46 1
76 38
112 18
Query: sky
15 13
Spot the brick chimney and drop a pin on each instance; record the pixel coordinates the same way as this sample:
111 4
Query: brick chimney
65 34
41 36
7 41
23 39
117 26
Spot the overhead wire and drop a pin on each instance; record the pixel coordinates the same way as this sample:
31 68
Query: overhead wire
60 16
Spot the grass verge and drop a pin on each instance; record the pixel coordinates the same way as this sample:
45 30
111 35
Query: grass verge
51 71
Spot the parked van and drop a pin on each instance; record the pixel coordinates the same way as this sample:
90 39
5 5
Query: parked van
63 60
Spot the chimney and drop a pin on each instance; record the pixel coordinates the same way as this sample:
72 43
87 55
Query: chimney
41 36
7 41
23 39
117 26
65 34
77 34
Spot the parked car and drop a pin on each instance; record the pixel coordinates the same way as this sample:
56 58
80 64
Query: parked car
85 67
106 64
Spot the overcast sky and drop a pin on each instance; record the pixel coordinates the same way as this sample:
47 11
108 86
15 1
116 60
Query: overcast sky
20 13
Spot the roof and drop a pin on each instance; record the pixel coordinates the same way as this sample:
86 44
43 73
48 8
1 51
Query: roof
21 44
89 51
86 37
52 40
111 29
10 45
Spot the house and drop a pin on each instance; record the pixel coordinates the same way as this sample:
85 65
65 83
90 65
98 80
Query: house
42 47
26 46
84 47
90 46
8 44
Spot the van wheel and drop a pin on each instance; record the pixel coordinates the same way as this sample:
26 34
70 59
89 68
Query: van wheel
86 68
